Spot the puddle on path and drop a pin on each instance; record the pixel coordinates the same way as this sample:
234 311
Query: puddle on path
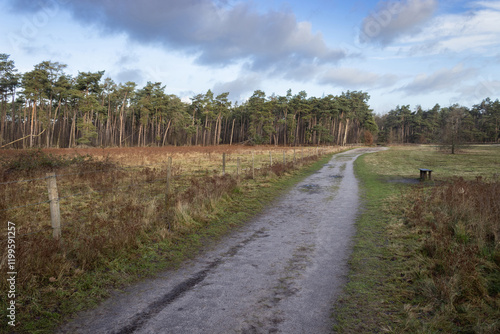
310 188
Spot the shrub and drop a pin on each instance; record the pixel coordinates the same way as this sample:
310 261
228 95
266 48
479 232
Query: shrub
368 138
34 162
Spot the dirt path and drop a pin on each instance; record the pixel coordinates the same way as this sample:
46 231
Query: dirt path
280 274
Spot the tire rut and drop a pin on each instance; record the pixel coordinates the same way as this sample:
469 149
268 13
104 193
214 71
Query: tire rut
157 306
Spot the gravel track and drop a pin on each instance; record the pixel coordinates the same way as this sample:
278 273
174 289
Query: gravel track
280 273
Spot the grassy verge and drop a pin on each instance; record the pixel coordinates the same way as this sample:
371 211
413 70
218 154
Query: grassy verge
426 257
128 238
373 301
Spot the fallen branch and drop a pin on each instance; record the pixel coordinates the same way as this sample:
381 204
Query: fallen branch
12 142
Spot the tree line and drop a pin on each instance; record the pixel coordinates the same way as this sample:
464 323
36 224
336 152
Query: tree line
47 107
448 125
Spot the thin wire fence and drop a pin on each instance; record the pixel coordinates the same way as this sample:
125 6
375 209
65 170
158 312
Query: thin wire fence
210 164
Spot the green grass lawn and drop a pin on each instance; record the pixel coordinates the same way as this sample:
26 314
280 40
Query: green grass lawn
405 161
426 257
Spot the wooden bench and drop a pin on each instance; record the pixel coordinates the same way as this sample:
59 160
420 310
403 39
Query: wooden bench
424 172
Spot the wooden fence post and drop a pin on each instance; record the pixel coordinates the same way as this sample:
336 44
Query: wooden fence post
55 213
169 176
284 157
238 164
271 157
294 160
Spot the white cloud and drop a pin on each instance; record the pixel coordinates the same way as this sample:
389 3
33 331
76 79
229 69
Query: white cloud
355 78
476 31
485 87
442 80
215 33
240 87
487 4
134 75
392 20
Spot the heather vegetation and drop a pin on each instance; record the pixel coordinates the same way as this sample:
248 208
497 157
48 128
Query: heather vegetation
118 224
457 280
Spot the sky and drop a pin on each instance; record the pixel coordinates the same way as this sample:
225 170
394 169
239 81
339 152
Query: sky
416 52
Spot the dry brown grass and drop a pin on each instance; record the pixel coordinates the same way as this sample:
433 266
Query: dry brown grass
457 276
113 205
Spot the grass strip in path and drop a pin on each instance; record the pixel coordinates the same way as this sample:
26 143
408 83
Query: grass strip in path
373 297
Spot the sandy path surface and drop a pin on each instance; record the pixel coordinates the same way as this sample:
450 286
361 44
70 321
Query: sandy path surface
281 273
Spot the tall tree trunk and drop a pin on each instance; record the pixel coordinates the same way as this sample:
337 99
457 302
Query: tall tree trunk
158 131
197 135
297 138
232 131
2 122
226 130
205 130
25 125
140 136
241 129
345 133
121 128
220 128
49 117
12 138
286 128
62 131
32 124
72 134
54 123
166 132
332 129
339 131
107 142
114 128
122 111
216 132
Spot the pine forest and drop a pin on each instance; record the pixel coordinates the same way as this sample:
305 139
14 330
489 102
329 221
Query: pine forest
48 108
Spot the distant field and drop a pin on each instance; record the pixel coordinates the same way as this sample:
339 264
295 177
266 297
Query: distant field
405 161
191 158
